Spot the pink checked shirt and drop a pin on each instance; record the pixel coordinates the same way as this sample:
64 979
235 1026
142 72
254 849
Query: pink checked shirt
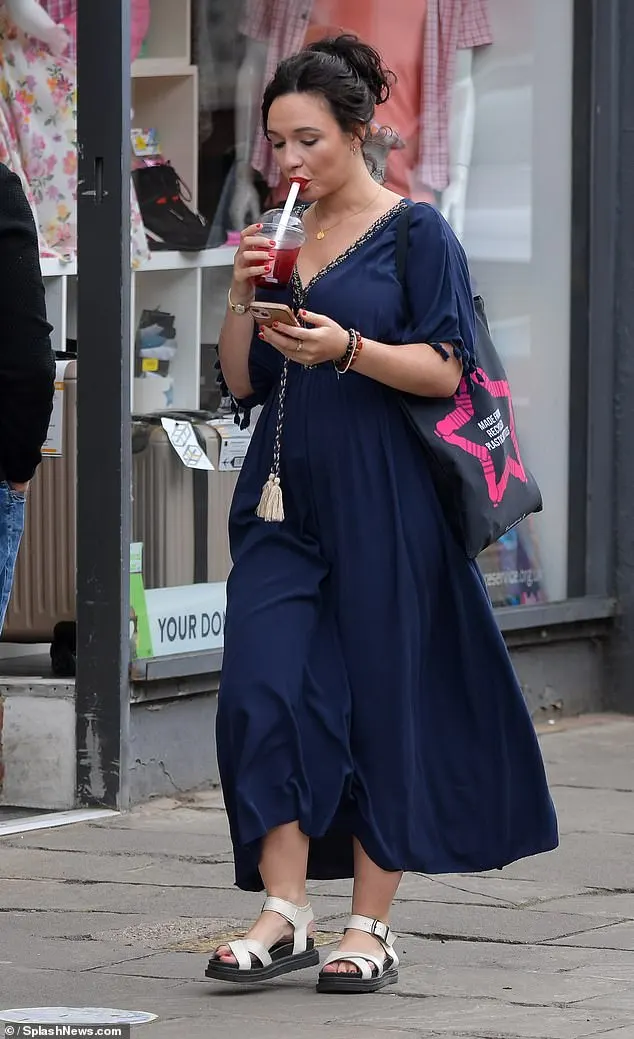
450 25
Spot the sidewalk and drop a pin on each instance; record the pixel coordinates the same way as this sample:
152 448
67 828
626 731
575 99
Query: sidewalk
125 912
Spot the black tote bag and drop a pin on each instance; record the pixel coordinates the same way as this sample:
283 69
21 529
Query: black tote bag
470 440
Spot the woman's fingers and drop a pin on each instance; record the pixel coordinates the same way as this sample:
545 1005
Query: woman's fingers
291 331
256 256
250 231
256 242
318 320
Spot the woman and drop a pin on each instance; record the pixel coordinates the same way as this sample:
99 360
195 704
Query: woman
369 719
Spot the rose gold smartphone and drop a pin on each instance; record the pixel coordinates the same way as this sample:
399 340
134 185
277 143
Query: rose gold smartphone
266 313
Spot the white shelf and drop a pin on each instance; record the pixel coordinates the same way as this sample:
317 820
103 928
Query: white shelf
52 268
222 256
160 68
172 261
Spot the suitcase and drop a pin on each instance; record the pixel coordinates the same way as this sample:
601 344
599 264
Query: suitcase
179 514
44 585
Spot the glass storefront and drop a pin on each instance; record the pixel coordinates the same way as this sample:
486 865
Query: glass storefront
517 235
480 124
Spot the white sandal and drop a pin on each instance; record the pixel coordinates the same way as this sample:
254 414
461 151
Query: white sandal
282 958
373 972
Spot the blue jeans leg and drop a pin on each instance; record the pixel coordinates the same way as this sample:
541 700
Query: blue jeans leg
12 505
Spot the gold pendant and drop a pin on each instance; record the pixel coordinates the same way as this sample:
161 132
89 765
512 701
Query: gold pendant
320 235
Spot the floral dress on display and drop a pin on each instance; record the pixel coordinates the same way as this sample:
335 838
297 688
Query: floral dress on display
38 139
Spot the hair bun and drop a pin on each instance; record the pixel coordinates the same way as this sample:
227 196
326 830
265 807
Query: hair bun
364 60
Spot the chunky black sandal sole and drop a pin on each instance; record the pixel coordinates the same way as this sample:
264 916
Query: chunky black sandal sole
333 983
284 962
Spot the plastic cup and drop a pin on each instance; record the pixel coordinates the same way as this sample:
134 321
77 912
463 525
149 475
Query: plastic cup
286 251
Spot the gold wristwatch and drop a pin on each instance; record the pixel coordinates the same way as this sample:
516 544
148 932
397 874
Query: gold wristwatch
237 308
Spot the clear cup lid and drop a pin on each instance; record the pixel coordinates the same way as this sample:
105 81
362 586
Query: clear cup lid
294 228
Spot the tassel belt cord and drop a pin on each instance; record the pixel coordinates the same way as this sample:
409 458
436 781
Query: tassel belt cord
271 505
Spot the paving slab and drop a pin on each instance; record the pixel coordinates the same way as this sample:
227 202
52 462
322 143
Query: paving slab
594 860
598 756
614 1000
174 819
473 1017
598 903
89 896
115 868
27 987
166 841
490 923
61 954
583 810
415 887
611 964
456 954
180 1027
125 912
617 936
499 888
619 1033
532 988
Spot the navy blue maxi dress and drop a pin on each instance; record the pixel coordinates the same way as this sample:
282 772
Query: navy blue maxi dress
366 689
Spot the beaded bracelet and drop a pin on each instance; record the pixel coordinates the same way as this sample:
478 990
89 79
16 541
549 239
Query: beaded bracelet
355 346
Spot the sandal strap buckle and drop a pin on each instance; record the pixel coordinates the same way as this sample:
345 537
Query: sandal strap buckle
377 928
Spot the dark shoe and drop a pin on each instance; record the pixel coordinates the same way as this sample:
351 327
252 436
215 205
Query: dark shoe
169 220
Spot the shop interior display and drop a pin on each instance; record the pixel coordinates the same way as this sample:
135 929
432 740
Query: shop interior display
165 109
202 169
38 120
428 44
168 218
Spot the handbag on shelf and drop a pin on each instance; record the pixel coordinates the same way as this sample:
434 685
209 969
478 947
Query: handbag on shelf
470 440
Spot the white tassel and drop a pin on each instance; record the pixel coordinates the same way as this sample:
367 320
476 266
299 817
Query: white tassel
274 511
264 498
271 505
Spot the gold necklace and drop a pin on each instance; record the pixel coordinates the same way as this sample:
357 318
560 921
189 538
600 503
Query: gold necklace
323 231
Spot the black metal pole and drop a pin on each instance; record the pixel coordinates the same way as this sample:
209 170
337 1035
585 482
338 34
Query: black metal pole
103 401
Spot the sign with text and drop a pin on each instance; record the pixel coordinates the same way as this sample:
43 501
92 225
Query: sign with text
186 619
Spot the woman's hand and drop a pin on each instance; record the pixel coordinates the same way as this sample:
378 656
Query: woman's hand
325 341
253 259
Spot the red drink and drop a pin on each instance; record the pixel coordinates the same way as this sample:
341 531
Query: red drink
282 269
286 250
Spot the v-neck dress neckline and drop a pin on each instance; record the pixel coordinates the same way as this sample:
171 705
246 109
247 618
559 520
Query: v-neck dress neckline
300 291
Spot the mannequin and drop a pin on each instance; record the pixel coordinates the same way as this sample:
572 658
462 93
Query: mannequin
461 134
453 199
434 168
245 204
33 20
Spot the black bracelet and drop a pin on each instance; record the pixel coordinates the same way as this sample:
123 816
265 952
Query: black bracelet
342 363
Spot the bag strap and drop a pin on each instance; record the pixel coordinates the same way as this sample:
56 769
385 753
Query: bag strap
402 249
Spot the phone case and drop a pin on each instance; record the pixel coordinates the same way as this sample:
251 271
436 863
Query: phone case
265 315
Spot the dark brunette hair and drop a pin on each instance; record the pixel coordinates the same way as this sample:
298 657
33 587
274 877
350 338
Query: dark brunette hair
348 73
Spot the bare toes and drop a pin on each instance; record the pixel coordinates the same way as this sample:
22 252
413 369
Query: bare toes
224 954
